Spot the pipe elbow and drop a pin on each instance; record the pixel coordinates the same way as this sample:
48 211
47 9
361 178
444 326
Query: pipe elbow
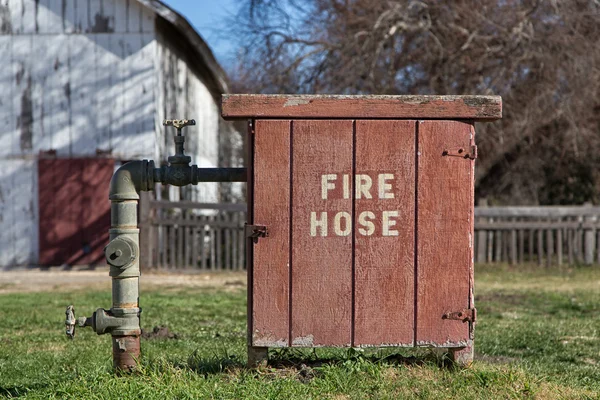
130 179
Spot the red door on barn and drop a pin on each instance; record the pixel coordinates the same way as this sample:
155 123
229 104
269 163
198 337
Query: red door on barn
74 209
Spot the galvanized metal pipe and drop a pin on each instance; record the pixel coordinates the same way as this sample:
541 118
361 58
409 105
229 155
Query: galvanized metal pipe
122 253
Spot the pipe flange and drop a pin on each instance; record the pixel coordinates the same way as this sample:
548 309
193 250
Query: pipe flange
121 252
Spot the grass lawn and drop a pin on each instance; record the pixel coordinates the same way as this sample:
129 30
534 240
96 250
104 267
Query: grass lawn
538 336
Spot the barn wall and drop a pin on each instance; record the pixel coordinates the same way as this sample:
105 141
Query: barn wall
76 77
184 93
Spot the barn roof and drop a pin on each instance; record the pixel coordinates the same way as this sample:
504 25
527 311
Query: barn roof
181 24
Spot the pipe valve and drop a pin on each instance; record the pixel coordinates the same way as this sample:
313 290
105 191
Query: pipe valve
70 322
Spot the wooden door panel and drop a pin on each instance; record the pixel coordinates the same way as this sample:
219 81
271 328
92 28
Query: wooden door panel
74 210
271 265
444 231
322 154
384 233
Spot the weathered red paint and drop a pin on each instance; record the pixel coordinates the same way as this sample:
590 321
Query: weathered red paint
370 221
270 300
74 209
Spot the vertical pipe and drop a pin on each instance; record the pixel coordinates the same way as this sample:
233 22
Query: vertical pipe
125 284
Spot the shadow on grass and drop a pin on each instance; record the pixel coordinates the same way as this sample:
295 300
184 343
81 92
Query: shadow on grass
303 363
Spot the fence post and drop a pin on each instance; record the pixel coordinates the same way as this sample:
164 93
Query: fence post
482 236
144 223
589 238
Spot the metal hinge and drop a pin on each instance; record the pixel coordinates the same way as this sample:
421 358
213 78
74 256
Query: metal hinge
256 231
462 153
466 315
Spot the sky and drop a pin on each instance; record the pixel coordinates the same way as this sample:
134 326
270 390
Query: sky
209 17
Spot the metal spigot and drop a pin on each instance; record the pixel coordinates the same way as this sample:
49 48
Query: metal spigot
179 124
70 322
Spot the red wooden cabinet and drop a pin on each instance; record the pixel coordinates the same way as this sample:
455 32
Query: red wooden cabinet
368 205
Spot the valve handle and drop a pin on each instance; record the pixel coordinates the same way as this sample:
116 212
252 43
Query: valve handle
179 123
70 322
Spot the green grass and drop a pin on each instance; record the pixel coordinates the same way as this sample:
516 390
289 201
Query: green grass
538 336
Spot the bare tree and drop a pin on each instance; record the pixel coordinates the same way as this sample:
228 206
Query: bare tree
542 57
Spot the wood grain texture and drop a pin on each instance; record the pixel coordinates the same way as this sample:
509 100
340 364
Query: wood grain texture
384 265
271 258
445 232
339 106
321 265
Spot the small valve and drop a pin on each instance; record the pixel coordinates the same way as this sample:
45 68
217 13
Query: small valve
179 123
70 322
179 159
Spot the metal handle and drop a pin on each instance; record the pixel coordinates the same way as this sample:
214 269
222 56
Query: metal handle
70 322
179 123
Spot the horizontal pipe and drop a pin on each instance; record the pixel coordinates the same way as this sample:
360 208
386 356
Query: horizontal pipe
222 175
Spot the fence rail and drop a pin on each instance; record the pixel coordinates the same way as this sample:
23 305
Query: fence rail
550 235
207 236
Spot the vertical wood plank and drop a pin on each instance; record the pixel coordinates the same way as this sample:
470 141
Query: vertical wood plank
180 245
57 97
513 247
521 234
490 245
106 65
172 250
481 245
17 12
271 256
82 16
147 23
549 246
498 246
82 64
559 246
121 15
227 241
234 238
134 17
22 103
321 265
29 17
23 196
444 232
7 218
540 246
384 271
7 121
204 253
219 242
570 246
531 245
598 246
212 243
241 243
187 247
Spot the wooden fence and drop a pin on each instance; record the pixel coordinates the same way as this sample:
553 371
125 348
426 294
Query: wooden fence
180 235
189 235
549 235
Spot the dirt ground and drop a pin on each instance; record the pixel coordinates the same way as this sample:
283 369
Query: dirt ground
36 280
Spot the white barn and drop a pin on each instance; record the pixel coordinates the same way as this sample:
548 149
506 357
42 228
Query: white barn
84 86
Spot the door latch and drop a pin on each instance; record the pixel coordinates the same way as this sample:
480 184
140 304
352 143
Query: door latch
256 231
